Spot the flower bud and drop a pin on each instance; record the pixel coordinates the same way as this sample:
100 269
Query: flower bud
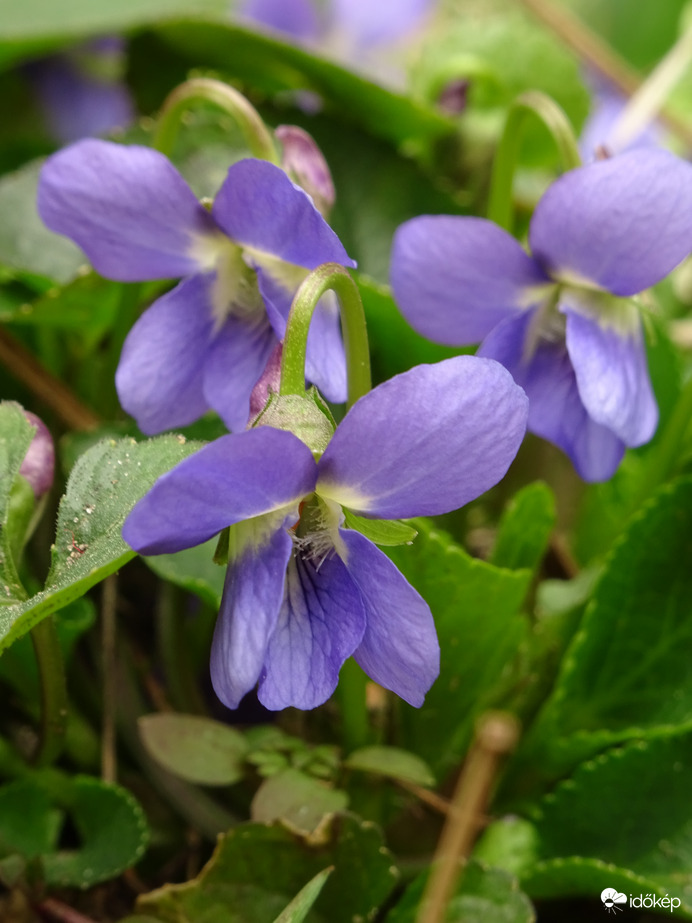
268 382
39 462
305 164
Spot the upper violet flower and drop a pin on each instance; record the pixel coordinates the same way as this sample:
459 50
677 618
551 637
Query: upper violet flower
81 90
303 592
563 320
205 343
353 30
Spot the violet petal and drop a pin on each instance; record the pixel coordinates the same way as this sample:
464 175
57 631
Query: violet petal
427 441
128 208
612 376
252 596
160 376
232 479
320 624
622 223
399 649
556 411
259 207
455 279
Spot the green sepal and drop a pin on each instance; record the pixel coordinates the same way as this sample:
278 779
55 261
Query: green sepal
221 553
20 510
304 415
381 531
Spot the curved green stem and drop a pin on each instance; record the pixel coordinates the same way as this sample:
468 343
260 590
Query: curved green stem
204 89
528 104
328 277
53 690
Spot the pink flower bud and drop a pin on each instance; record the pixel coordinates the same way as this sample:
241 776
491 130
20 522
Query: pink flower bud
39 462
268 382
304 162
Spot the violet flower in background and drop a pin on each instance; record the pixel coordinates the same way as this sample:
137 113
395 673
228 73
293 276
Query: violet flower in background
562 320
205 343
354 31
607 107
303 592
81 91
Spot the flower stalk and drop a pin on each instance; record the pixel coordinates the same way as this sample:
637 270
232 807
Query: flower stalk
53 691
328 277
553 117
206 90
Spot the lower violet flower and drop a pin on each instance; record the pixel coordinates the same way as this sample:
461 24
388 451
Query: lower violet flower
303 592
563 320
205 343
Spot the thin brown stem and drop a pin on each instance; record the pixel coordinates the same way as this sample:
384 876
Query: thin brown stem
109 600
45 386
62 913
496 736
599 55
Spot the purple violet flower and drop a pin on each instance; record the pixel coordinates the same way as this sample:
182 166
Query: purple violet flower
563 321
302 591
206 342
81 91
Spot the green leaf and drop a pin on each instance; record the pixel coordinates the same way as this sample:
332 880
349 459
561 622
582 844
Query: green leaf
104 485
41 24
628 807
299 801
273 66
484 895
392 762
109 822
16 434
196 749
381 531
256 870
112 829
627 672
298 909
29 821
477 613
194 570
579 877
26 244
525 527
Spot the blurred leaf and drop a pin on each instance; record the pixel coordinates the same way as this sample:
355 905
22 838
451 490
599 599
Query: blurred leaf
381 531
42 24
297 800
477 613
196 749
578 876
104 485
272 66
26 244
18 663
29 821
630 808
16 434
627 672
256 870
193 570
110 824
112 829
300 905
392 762
484 895
525 527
